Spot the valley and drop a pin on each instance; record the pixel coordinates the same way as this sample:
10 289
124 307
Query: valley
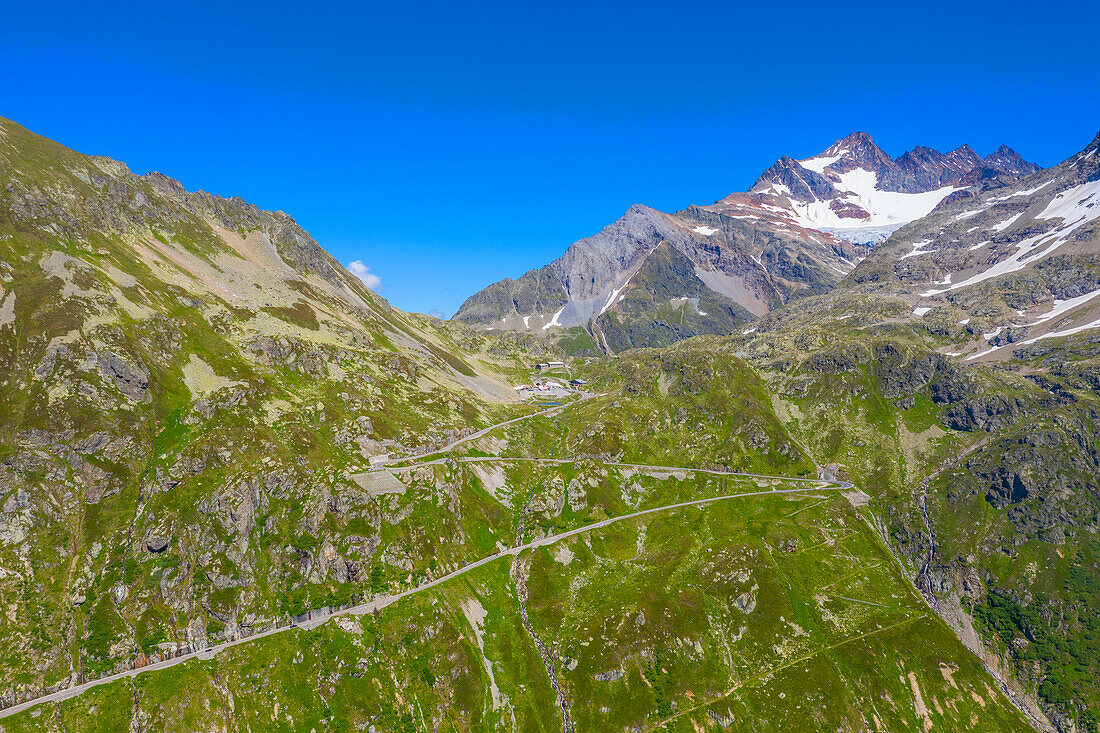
825 458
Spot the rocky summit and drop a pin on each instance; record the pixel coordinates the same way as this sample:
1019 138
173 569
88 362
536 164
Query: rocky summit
823 455
650 279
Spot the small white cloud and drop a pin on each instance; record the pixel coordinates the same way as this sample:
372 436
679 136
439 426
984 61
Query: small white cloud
436 313
363 272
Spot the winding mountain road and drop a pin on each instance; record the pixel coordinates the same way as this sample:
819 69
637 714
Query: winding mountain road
485 431
384 601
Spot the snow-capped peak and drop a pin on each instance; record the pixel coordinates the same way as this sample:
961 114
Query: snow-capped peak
854 190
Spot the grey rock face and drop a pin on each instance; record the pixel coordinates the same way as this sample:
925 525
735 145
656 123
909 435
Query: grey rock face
550 503
592 276
986 412
284 351
15 517
804 184
294 245
746 602
925 169
538 291
131 379
841 360
725 721
590 266
1009 335
581 279
668 302
1007 160
94 443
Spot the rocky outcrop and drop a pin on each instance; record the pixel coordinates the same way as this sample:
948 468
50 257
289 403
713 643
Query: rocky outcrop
131 379
985 412
668 302
292 354
803 184
538 291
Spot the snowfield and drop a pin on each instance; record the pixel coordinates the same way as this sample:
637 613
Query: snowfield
1076 207
885 208
554 320
819 163
1006 223
1064 306
918 249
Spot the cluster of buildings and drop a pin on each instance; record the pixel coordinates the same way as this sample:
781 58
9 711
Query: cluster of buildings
546 387
542 386
547 384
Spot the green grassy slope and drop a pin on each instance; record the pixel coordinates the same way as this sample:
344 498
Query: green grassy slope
191 390
997 465
765 613
188 386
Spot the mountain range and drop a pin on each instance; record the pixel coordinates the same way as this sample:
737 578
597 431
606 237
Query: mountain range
651 278
854 486
1012 263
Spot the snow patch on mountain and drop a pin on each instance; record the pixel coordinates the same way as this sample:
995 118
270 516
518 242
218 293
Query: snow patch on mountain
819 163
1027 192
918 249
554 320
1006 223
1067 332
1075 206
859 187
614 296
1060 308
1064 306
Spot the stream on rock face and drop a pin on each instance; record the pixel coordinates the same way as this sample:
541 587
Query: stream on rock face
521 569
923 580
925 573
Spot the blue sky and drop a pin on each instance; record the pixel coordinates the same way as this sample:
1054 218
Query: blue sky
446 146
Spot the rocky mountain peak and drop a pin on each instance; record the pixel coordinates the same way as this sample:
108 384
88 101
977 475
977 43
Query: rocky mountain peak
799 183
1006 160
1086 164
857 150
964 157
921 158
590 265
851 143
927 169
165 185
